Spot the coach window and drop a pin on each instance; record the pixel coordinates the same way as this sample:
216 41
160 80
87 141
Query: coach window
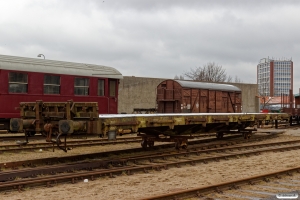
100 87
112 88
81 86
18 82
51 84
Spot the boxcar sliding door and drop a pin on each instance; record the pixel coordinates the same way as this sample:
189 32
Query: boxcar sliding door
224 102
186 100
212 101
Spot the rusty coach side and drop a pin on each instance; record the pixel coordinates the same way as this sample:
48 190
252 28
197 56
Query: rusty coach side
177 96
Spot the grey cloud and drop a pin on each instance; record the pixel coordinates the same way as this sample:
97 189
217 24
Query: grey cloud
155 38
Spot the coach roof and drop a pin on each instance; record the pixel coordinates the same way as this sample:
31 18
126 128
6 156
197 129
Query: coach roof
57 67
210 86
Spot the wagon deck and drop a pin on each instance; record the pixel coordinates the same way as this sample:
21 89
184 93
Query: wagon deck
179 127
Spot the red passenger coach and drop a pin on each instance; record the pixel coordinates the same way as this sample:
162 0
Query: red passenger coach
28 80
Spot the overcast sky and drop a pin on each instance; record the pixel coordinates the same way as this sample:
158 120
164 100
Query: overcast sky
155 38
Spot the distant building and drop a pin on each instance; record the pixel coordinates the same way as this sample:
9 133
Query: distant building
274 77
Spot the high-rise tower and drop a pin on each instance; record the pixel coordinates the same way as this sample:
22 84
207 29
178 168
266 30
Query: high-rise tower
274 77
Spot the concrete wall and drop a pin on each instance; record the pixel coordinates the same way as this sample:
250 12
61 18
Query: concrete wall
140 92
137 92
250 103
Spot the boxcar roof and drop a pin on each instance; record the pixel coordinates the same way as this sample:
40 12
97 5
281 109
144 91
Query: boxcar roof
57 67
210 86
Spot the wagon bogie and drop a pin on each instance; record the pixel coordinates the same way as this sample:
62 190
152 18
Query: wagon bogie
57 119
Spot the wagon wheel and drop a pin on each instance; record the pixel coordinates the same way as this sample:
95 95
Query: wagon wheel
178 144
150 143
184 146
219 135
30 133
144 144
247 135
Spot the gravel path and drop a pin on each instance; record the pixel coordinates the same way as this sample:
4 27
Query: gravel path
154 183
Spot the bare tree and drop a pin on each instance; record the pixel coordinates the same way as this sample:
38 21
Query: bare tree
210 72
237 80
179 77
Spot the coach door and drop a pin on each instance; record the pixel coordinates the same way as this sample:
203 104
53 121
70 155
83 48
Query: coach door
224 103
203 102
186 101
219 102
212 101
164 100
195 101
238 102
112 99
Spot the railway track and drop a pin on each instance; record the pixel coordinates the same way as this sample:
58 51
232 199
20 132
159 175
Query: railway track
41 137
112 167
15 148
84 136
16 137
42 146
208 143
203 151
71 144
282 184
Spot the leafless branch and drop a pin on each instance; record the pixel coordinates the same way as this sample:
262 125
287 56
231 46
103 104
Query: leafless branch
210 72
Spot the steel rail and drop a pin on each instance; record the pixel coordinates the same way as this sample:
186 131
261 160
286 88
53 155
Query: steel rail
19 184
41 137
10 175
217 188
71 144
82 136
52 160
75 140
15 148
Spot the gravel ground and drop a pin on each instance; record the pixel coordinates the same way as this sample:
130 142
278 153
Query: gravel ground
142 185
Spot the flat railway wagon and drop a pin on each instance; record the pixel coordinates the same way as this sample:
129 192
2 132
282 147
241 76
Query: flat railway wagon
29 79
177 96
56 120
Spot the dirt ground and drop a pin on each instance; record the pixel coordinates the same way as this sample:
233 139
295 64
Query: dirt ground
143 185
